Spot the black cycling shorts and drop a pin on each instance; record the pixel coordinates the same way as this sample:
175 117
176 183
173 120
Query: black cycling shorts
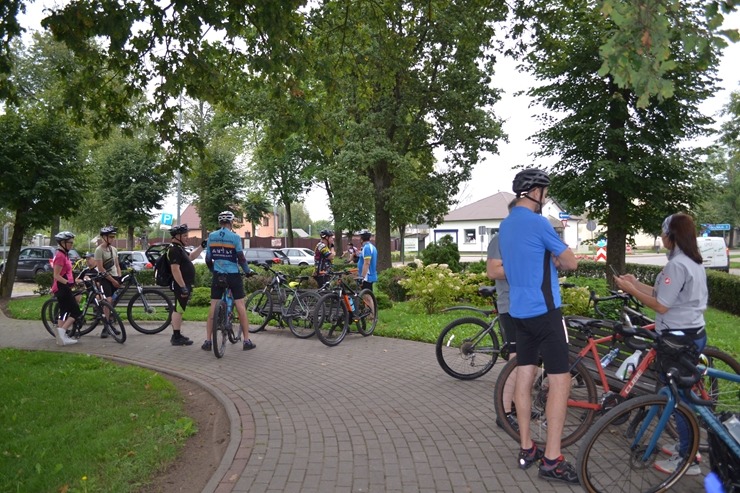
509 328
68 306
232 281
545 335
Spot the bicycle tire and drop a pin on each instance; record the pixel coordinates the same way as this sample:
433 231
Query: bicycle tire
259 310
149 312
466 348
367 312
331 319
301 311
724 393
86 327
50 315
234 328
610 458
220 331
112 323
577 419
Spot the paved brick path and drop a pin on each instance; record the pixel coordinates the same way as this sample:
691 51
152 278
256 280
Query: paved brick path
370 415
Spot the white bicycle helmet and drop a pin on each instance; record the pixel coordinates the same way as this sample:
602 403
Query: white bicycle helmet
108 230
226 216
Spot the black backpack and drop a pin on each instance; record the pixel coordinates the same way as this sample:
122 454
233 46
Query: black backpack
162 270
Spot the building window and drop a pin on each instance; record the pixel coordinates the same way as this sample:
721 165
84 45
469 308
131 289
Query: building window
469 236
266 221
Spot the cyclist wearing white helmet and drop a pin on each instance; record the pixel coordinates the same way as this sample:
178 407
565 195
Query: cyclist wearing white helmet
69 309
323 255
532 252
106 258
224 256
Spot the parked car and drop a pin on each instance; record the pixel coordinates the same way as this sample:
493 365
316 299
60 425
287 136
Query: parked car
200 259
133 259
714 252
35 260
265 255
299 256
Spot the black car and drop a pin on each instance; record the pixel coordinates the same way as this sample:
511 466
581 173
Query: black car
35 260
265 255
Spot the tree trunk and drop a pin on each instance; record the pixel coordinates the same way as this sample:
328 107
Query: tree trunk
402 233
11 263
130 245
288 226
382 183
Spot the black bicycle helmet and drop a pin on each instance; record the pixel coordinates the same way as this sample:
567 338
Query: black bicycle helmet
226 216
64 236
527 179
365 235
326 232
108 230
180 229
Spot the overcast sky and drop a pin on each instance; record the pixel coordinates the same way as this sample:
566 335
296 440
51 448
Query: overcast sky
494 173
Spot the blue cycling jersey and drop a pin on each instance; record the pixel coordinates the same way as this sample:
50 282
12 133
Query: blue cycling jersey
528 242
225 251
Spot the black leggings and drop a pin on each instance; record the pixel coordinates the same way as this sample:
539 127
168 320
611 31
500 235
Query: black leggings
68 306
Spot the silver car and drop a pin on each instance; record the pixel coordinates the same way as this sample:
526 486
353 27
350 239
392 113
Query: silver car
299 256
133 259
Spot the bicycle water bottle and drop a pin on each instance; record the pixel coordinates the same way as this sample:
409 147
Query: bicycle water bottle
115 296
351 304
609 357
628 366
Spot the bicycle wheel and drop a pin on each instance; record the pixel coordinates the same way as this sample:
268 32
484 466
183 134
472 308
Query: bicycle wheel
331 319
613 456
724 393
367 312
50 315
259 310
300 314
577 419
234 327
220 331
466 348
91 316
113 323
150 311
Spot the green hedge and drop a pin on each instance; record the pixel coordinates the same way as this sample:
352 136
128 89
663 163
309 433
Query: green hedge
724 288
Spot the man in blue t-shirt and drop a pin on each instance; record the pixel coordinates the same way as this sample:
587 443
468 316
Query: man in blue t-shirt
532 252
368 261
224 256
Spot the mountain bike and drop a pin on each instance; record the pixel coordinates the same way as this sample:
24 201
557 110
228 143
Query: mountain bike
585 402
341 307
93 307
468 347
619 452
149 310
283 301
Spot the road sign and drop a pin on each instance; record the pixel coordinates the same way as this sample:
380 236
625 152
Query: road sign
591 225
166 219
563 215
717 227
481 230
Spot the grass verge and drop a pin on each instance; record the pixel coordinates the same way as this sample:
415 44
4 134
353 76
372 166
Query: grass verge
76 423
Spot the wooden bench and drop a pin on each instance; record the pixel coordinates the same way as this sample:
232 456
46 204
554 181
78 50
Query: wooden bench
578 340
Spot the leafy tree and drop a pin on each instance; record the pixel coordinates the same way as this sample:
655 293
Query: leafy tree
131 184
622 163
256 207
40 169
443 251
406 79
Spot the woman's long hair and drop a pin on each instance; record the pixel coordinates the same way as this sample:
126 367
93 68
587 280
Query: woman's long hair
682 233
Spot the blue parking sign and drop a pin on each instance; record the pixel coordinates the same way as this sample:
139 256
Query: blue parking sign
166 219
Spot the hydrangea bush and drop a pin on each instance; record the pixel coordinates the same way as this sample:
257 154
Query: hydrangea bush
432 287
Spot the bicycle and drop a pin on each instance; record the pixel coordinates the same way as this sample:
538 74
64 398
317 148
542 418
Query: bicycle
342 306
468 347
224 319
620 451
94 307
584 403
282 300
149 310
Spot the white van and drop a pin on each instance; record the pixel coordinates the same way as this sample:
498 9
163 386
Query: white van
715 253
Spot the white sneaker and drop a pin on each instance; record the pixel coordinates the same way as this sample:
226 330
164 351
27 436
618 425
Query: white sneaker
673 449
64 339
56 337
669 466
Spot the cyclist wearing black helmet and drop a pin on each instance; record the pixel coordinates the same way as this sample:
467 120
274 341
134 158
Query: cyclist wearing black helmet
323 256
367 264
224 256
106 258
183 278
62 285
532 252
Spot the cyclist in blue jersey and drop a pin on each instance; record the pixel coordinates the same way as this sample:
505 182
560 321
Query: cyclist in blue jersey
367 263
224 256
532 252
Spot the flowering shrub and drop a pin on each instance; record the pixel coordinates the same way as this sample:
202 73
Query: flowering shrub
432 286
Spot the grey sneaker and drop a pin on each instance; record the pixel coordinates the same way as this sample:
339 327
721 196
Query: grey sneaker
561 471
529 457
206 346
248 344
